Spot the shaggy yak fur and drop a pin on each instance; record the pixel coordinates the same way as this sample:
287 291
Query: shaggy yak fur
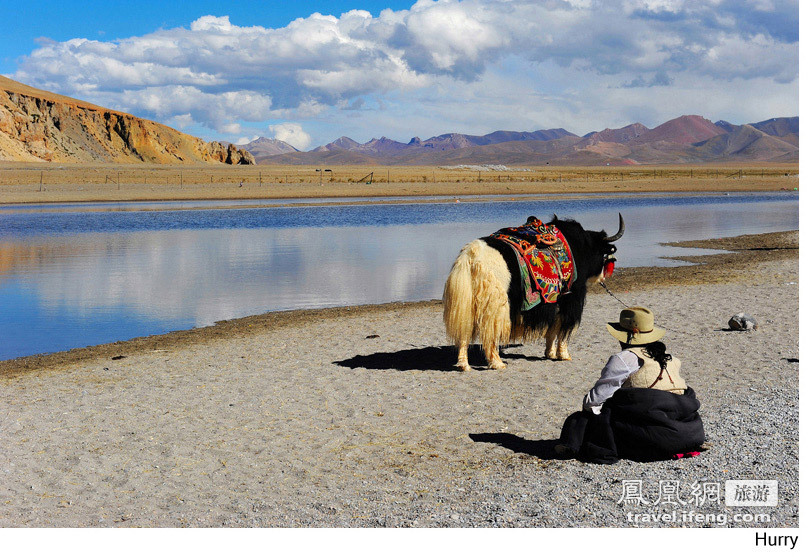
483 295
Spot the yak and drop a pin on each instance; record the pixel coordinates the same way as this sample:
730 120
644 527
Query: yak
485 293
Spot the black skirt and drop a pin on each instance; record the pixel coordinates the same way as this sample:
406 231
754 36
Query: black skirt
636 424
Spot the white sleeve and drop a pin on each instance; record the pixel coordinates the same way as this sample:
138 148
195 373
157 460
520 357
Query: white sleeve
618 368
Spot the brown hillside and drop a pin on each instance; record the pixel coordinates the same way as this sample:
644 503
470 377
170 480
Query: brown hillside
621 135
528 153
684 130
606 148
780 127
748 143
665 152
37 125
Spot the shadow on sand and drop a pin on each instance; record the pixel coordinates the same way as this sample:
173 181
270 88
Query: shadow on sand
543 448
430 358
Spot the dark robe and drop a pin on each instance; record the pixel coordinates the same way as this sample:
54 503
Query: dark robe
636 424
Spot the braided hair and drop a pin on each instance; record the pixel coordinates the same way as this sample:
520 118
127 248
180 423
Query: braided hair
658 351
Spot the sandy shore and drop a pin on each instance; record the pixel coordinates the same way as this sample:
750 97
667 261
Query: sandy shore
354 417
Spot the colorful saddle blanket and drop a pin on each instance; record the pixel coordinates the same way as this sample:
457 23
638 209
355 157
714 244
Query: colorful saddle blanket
546 263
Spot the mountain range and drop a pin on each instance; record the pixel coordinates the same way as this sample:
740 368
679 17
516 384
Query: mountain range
37 125
686 139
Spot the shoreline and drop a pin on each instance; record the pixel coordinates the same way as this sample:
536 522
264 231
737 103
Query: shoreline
705 269
303 202
379 196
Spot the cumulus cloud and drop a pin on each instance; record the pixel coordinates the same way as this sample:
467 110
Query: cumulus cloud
220 74
291 133
218 111
181 120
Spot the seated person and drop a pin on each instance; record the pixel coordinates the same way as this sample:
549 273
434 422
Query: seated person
640 408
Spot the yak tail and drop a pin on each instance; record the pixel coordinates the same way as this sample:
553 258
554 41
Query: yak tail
459 317
475 297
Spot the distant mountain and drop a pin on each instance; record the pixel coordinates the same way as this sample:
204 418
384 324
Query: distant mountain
686 139
342 143
539 135
37 125
445 142
779 127
621 135
786 129
531 151
381 146
747 143
683 130
265 147
384 147
725 126
459 140
671 142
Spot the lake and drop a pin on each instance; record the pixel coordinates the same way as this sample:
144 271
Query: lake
75 275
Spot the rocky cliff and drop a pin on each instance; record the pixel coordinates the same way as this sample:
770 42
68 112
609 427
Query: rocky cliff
37 125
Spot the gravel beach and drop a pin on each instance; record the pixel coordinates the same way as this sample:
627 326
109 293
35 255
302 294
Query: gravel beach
355 416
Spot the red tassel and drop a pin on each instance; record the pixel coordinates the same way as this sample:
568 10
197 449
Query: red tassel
609 268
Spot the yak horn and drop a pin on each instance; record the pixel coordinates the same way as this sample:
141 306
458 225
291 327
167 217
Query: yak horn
619 233
556 217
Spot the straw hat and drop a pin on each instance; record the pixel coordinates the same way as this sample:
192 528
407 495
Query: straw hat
635 327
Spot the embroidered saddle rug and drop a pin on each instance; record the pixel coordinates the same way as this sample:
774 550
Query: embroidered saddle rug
547 267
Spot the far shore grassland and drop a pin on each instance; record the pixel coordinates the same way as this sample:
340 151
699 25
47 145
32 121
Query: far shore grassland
57 183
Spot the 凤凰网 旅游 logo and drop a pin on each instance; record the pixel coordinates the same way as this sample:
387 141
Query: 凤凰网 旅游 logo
702 503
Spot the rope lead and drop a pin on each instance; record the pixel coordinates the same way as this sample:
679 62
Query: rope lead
612 294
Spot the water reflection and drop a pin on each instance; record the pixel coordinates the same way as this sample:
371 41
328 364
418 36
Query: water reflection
98 277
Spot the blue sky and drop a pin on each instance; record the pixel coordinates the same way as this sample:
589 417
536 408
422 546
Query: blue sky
309 72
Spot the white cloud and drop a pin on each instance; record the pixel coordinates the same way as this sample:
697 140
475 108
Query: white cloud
325 68
233 129
182 120
753 57
291 133
218 111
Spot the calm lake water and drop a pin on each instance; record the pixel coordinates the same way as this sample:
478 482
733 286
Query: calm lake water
78 275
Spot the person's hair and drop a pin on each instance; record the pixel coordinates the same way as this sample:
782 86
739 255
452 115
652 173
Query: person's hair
656 350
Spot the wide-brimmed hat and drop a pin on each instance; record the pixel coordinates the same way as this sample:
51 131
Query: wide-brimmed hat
636 327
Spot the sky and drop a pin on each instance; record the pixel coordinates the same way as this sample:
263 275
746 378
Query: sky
308 72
